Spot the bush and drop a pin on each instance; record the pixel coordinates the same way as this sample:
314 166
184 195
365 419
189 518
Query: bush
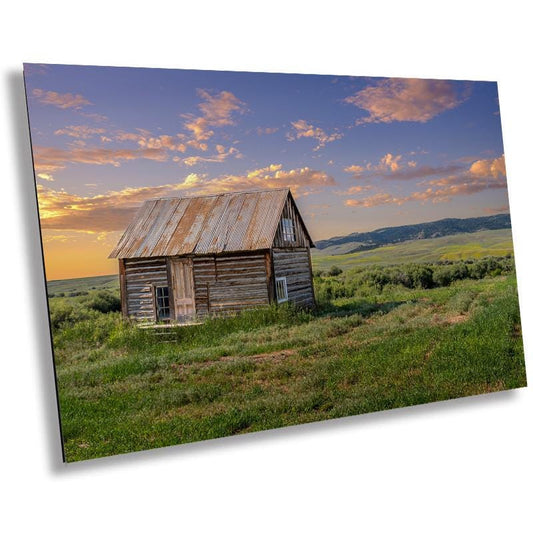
104 301
63 313
334 271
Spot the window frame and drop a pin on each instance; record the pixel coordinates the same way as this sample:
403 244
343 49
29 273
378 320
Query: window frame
288 229
157 305
283 281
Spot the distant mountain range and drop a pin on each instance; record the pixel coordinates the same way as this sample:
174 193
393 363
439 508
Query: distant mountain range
355 242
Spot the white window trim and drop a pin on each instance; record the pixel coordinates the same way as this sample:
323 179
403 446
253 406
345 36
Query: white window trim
288 229
285 298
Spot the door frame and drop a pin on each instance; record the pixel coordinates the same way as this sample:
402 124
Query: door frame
173 285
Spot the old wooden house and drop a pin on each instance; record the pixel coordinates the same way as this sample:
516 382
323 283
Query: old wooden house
182 258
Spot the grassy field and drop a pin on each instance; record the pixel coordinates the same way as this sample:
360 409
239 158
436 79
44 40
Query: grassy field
64 287
124 389
382 337
453 247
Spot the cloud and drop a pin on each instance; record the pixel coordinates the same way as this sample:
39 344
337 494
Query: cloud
113 211
405 100
49 159
372 201
61 100
79 132
216 110
303 129
167 142
356 169
103 212
220 156
489 167
391 162
356 189
482 175
391 167
266 131
302 181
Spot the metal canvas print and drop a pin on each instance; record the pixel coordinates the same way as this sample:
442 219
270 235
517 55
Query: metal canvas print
230 252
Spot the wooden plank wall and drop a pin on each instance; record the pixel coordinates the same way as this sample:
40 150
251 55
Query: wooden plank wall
230 282
294 264
301 241
140 275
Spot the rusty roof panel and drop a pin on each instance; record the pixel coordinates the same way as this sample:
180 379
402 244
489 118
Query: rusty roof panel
228 222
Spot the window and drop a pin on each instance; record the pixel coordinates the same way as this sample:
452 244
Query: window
287 230
162 302
281 290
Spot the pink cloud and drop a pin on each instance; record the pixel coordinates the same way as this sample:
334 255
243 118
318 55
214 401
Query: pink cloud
302 129
404 99
63 101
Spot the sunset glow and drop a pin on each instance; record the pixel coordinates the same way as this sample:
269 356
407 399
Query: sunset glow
358 153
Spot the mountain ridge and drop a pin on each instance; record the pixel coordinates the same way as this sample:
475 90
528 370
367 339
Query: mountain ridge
354 242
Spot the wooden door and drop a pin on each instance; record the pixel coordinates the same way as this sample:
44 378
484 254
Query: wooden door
183 289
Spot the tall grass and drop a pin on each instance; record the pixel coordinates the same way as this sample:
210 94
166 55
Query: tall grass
367 347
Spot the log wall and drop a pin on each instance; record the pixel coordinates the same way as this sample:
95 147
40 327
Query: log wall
139 277
230 282
295 265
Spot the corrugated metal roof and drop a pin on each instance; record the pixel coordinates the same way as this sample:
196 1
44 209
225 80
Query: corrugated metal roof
228 222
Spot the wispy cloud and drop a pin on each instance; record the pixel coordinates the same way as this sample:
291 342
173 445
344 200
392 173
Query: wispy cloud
79 132
61 100
404 99
112 211
50 159
394 167
266 131
216 110
482 175
302 129
221 155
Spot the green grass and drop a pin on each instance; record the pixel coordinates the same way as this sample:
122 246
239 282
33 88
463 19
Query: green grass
124 389
453 247
66 286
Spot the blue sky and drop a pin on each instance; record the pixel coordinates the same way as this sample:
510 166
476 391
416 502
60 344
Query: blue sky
358 153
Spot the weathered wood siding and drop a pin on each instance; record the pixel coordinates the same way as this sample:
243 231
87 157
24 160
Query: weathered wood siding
140 275
294 264
230 282
301 240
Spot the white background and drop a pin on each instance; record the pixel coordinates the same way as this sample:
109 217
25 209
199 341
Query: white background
463 465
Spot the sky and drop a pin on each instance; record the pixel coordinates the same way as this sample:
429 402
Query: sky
358 153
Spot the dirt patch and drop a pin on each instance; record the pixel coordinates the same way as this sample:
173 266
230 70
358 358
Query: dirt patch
257 358
449 320
271 356
456 319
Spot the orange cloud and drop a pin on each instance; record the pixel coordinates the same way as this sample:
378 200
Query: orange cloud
355 190
390 167
356 169
221 155
391 162
63 101
112 211
404 99
79 132
489 167
216 111
49 159
304 129
482 175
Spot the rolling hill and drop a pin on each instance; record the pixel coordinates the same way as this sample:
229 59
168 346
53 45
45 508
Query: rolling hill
451 248
355 242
